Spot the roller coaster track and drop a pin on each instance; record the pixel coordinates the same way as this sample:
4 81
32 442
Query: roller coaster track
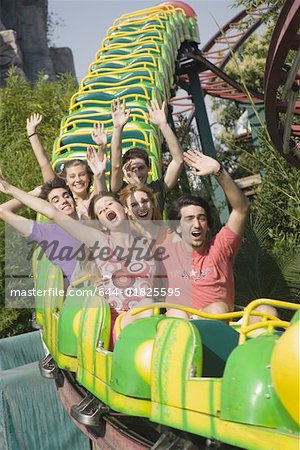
215 55
137 433
282 83
281 86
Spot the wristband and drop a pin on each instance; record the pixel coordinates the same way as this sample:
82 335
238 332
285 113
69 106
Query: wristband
220 171
30 135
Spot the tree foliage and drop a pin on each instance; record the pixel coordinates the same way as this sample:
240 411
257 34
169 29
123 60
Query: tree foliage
276 204
19 99
269 15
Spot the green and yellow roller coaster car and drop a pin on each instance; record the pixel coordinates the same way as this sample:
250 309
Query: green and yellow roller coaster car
206 377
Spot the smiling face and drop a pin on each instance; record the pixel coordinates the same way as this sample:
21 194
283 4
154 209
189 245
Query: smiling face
109 212
193 226
78 180
141 169
62 200
139 206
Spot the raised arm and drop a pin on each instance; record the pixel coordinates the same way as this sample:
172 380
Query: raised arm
158 117
83 233
97 164
8 214
203 165
120 117
97 161
31 125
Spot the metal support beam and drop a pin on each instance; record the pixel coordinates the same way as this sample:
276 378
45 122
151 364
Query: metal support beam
207 142
256 118
183 181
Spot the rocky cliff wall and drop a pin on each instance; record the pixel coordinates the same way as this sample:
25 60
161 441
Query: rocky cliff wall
23 41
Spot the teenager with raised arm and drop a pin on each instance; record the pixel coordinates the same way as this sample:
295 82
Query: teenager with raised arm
135 163
202 268
52 238
32 124
127 267
77 173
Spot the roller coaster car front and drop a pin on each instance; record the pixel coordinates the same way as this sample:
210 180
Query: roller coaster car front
193 375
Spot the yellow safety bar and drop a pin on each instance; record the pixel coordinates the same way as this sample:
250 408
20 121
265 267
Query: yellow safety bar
145 13
68 147
82 119
246 328
162 16
268 320
120 72
155 15
87 132
120 59
112 47
111 91
89 87
116 58
120 34
137 113
160 49
64 129
178 21
113 28
157 63
226 316
107 102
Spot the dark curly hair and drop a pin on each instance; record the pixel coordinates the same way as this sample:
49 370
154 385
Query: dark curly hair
55 183
174 211
136 152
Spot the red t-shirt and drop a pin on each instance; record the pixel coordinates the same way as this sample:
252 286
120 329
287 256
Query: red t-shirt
202 278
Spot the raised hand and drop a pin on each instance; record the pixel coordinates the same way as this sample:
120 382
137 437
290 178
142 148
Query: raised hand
157 115
32 122
99 135
96 162
119 113
201 164
3 184
129 173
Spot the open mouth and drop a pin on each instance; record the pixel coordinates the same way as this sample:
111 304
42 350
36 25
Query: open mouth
111 216
196 234
143 214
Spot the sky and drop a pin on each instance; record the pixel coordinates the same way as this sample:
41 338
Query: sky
85 22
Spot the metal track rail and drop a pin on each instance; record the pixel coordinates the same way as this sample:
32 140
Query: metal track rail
282 84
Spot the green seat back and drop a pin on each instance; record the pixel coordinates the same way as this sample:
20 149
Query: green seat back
218 340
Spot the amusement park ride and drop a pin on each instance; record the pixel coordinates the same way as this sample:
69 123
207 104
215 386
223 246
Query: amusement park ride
172 383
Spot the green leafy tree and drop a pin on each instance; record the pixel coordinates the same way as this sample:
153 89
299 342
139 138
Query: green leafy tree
277 201
19 99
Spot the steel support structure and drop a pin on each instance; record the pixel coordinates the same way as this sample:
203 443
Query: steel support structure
206 139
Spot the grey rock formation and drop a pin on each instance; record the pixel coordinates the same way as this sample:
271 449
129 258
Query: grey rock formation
9 53
61 58
23 41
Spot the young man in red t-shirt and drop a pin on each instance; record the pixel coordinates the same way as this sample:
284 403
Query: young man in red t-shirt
202 269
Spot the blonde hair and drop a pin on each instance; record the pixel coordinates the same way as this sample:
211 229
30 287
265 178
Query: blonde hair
130 189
